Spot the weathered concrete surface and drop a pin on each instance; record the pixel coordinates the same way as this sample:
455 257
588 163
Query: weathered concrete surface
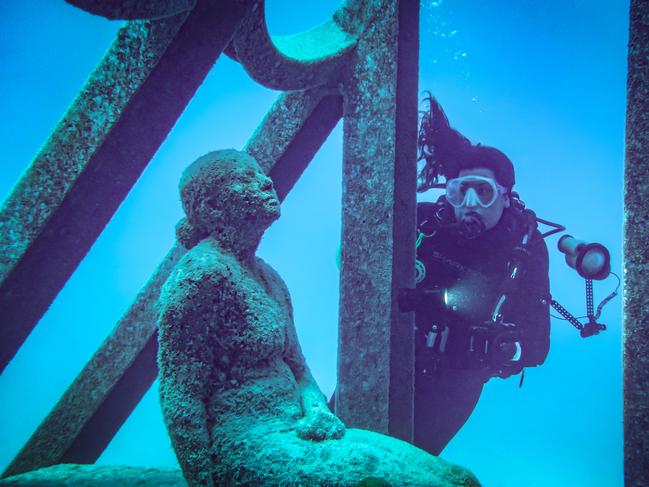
97 152
292 132
53 173
134 9
636 255
286 125
317 57
237 396
98 401
375 354
109 387
97 476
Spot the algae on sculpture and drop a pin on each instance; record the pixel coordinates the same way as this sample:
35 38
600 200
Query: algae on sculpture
238 399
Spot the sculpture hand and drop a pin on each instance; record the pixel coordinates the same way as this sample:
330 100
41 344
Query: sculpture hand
320 424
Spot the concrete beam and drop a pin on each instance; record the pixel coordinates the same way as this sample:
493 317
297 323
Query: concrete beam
292 132
313 58
380 136
636 257
375 346
134 9
94 407
97 152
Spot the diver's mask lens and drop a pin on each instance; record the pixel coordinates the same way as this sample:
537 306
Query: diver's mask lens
473 191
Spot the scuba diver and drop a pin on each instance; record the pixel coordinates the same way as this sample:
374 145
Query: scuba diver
480 303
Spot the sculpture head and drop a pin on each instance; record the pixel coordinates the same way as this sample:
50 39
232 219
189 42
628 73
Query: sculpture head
226 192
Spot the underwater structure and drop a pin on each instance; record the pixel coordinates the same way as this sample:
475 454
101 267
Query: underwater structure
361 66
63 202
636 256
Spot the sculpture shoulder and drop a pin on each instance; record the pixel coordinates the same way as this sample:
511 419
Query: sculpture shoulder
205 266
276 284
208 260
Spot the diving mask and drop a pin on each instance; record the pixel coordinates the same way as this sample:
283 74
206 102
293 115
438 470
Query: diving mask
473 191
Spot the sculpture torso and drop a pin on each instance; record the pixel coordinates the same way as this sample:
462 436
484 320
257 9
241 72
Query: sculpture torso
245 312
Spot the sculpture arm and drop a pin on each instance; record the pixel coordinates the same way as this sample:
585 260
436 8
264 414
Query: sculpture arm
318 423
184 361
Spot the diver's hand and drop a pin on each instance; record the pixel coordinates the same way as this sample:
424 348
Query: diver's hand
320 424
505 350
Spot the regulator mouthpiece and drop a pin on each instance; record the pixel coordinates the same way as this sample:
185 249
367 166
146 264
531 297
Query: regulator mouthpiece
471 226
590 260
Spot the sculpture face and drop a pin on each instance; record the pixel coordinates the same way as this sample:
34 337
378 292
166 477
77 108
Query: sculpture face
242 196
253 192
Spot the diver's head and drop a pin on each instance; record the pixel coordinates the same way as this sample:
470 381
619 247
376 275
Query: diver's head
477 197
446 152
479 185
480 156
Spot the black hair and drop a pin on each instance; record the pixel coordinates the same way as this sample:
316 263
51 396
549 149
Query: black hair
446 151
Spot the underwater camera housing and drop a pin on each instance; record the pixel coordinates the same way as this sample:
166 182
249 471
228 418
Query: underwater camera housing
590 260
491 345
494 345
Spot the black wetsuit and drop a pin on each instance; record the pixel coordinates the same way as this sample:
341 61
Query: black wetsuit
451 365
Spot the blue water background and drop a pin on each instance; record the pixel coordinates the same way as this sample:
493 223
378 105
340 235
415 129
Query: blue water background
542 81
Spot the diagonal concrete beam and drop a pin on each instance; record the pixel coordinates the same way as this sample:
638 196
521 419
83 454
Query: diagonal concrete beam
636 258
292 132
72 432
375 345
97 152
134 9
103 395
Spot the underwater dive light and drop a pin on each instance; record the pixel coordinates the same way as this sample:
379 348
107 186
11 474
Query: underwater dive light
590 260
422 299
